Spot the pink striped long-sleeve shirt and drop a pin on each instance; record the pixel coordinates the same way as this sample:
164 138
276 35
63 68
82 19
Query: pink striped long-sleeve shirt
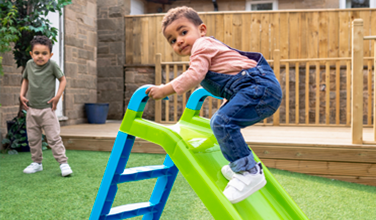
210 54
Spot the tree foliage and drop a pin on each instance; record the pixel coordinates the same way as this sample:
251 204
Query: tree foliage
21 20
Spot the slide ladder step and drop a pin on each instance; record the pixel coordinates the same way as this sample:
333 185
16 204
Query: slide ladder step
142 173
131 210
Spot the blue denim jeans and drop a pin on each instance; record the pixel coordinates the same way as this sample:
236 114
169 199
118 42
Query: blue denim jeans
252 95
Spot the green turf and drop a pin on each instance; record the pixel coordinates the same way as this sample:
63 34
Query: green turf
47 195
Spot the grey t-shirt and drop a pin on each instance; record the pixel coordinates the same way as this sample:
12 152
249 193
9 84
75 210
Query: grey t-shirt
41 83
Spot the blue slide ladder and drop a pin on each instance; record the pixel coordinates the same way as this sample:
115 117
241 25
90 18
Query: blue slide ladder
116 173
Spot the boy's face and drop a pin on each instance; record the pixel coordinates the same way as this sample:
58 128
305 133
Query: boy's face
181 34
40 54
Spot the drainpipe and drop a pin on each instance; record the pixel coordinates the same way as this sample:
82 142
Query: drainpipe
215 5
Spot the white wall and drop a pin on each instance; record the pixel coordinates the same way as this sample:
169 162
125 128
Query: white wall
137 7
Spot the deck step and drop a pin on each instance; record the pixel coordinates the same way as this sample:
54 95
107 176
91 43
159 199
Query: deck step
131 210
142 173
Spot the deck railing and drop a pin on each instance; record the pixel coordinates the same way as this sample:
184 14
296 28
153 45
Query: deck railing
317 91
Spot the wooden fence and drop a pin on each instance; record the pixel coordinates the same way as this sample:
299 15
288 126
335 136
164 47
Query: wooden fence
298 34
312 92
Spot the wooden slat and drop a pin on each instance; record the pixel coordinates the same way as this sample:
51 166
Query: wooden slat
277 70
323 34
184 94
136 41
144 37
314 153
246 32
274 32
327 93
283 35
228 30
158 81
255 30
317 107
333 30
374 90
328 168
175 96
167 102
307 94
344 33
265 36
297 93
128 40
287 91
338 104
294 35
152 39
313 36
237 26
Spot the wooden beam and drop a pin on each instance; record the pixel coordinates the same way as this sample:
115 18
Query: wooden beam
158 81
357 82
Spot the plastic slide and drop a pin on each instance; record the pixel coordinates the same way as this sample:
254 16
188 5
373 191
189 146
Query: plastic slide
191 145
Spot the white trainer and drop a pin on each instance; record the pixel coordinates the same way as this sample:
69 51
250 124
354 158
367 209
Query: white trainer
65 169
33 168
227 172
244 184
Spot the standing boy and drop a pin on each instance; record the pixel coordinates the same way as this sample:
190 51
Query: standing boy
39 82
244 79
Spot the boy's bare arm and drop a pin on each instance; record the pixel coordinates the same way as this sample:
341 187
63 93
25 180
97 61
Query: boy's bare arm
159 92
24 88
55 100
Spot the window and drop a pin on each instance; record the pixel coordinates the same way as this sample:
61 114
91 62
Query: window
258 5
357 4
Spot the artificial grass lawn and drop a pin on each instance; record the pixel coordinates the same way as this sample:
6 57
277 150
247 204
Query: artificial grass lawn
47 195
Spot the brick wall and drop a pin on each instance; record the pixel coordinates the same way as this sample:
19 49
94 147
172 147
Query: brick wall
10 85
80 58
111 54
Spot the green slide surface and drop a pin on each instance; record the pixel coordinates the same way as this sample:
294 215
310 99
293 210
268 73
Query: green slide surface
193 148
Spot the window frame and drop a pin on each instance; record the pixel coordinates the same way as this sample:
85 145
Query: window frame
249 3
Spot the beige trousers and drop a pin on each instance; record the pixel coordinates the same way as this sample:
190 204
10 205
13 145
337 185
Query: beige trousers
46 119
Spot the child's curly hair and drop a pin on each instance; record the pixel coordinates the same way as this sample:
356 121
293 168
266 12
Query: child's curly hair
176 13
42 40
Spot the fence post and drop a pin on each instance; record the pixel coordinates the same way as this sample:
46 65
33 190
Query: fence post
277 69
357 82
158 81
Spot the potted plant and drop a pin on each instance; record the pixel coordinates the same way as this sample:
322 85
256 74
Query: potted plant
16 138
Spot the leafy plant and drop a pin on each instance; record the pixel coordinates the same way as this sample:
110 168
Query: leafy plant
21 20
17 137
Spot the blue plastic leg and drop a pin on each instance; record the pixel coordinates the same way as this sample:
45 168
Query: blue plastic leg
115 166
162 190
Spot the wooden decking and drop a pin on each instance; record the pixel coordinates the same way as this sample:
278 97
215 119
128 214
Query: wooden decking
322 151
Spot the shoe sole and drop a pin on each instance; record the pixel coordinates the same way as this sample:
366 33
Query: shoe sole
32 172
255 189
66 174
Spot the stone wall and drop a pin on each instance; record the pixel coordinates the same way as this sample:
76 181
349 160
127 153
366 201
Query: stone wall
80 58
111 53
10 85
136 76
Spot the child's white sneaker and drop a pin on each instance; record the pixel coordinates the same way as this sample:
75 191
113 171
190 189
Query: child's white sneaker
244 184
33 168
65 169
227 172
